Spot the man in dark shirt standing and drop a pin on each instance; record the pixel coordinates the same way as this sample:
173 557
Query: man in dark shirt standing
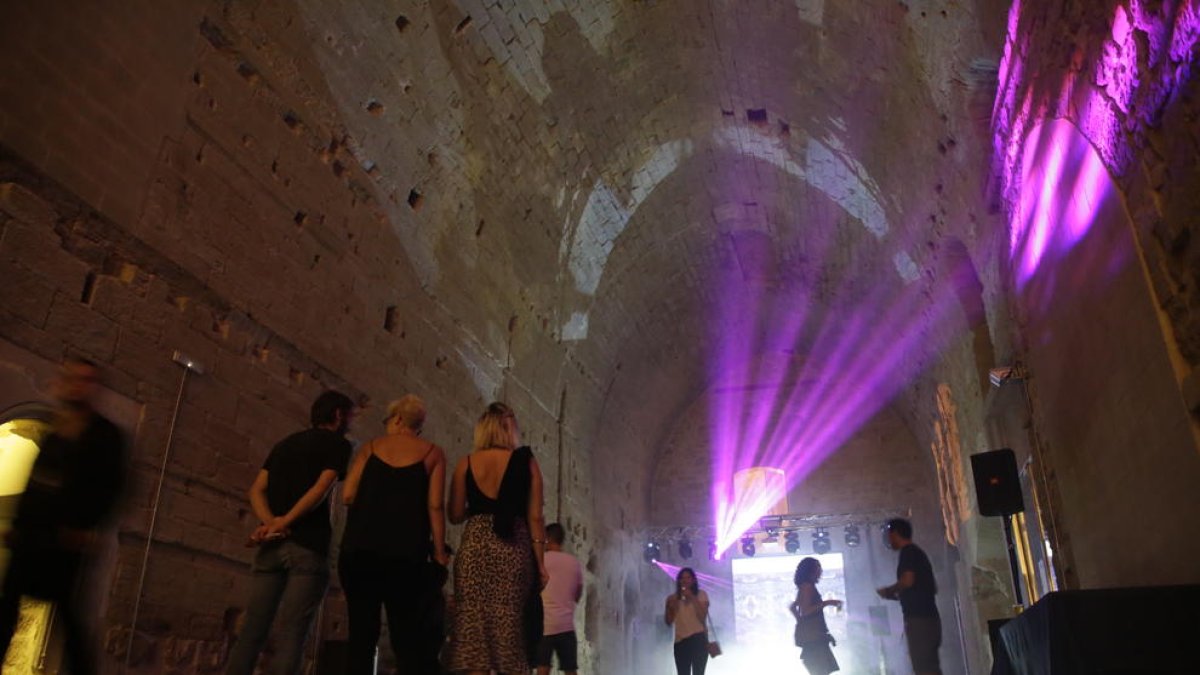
291 567
915 588
73 489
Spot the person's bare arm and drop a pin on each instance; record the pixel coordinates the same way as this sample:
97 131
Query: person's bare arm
702 607
672 608
537 522
437 512
258 498
307 502
354 475
907 579
457 506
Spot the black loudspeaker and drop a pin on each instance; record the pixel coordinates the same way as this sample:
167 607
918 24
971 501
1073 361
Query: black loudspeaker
996 483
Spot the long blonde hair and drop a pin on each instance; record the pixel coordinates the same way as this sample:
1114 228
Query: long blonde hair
496 428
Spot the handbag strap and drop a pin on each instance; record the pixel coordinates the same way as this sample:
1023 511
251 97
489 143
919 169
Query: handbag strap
711 628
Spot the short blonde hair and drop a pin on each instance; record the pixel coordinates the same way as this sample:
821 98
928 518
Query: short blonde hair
496 428
409 410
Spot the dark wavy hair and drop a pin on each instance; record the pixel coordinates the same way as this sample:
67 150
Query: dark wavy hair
695 580
806 571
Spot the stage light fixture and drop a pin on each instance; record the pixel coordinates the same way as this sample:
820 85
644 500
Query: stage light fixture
821 541
712 551
853 537
651 553
791 541
685 549
748 547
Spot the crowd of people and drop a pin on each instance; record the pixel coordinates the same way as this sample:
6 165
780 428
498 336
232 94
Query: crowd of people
514 591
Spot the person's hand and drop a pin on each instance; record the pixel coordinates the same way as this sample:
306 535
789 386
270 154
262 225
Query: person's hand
258 536
278 527
836 604
441 558
687 595
543 578
886 593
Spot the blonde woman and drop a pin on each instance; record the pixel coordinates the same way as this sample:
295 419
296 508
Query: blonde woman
393 551
500 567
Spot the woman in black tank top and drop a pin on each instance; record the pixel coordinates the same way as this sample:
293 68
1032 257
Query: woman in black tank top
393 548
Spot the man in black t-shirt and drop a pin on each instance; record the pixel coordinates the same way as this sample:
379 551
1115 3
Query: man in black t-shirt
73 490
291 567
915 588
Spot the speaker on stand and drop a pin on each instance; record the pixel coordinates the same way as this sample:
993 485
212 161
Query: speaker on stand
998 489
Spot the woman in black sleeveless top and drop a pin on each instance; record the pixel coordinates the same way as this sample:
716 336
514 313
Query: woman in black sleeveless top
812 635
499 570
393 548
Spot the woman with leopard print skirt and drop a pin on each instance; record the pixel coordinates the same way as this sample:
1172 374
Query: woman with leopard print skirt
497 492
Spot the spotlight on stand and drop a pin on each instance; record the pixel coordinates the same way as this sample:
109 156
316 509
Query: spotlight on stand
791 541
685 549
748 547
712 551
821 541
651 553
853 538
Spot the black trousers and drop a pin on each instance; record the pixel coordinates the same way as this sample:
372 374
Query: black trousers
691 655
48 574
410 592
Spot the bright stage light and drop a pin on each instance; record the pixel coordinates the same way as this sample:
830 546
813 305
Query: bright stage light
791 541
713 554
651 553
821 541
685 549
748 547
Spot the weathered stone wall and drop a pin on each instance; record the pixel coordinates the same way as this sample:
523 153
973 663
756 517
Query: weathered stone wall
1108 328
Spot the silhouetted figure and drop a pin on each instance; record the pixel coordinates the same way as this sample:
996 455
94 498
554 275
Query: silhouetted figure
290 496
812 635
497 491
72 492
559 598
915 588
687 610
393 553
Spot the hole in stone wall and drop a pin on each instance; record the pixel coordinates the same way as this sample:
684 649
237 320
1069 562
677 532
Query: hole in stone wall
198 79
726 113
390 319
248 73
479 228
89 288
512 324
785 129
441 362
463 25
402 23
339 169
415 199
375 108
756 115
300 218
293 121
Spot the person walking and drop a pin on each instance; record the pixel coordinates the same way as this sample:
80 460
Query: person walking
559 598
915 588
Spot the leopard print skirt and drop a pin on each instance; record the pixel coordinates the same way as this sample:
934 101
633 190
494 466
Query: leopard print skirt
492 580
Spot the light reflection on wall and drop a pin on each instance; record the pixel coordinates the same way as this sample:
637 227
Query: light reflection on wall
1064 182
1053 174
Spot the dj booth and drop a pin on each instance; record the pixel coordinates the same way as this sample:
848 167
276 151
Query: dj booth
1103 632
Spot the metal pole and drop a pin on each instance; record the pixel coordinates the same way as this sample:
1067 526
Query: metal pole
188 366
1012 559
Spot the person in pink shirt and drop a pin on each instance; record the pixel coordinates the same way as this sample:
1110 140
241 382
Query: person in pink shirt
559 598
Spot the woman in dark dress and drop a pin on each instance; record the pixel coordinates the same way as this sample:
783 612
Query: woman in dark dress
393 549
812 635
499 568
